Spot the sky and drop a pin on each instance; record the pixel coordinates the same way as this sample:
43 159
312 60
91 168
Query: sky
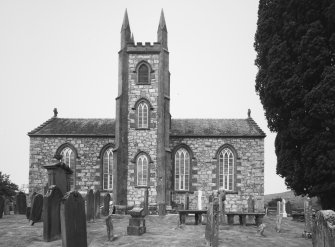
64 54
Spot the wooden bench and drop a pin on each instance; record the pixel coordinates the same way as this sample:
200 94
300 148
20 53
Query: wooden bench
243 217
197 215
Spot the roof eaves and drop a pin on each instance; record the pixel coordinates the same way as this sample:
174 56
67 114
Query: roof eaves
41 126
254 124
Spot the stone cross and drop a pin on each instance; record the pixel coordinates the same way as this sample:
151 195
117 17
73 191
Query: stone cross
97 204
89 205
36 209
2 205
73 223
51 214
284 208
107 199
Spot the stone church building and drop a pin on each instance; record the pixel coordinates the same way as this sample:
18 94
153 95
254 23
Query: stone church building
143 147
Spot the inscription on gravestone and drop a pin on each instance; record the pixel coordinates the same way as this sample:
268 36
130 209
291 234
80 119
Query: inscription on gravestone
73 223
51 213
90 205
36 209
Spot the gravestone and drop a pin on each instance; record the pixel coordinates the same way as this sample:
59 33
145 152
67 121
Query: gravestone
89 205
284 208
97 204
308 218
212 225
21 203
36 209
110 229
7 205
59 175
73 223
107 199
2 206
136 222
251 205
279 209
259 204
31 198
51 214
222 198
324 229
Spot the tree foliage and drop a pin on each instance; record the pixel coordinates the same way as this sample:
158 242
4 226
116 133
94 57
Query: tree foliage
7 188
295 45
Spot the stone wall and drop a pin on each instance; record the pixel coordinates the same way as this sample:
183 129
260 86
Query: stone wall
249 178
142 139
88 166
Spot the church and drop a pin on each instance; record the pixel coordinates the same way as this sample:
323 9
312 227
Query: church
144 148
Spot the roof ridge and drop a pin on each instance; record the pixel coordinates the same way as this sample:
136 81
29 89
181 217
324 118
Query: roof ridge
208 118
42 125
87 118
254 124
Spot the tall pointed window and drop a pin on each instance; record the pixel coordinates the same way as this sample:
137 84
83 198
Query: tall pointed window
107 168
68 157
182 169
143 74
143 116
226 169
142 170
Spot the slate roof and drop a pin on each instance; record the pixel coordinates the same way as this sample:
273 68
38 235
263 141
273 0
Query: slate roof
179 128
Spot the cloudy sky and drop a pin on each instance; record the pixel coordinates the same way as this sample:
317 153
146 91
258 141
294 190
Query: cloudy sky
64 54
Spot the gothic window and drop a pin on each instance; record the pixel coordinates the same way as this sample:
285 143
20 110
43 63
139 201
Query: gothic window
142 170
143 74
107 168
68 157
182 169
143 115
226 169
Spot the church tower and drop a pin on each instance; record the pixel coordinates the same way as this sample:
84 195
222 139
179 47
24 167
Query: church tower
142 158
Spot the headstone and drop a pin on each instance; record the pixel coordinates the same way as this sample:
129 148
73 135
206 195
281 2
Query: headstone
107 199
2 206
199 199
222 198
73 223
59 175
136 222
110 229
97 204
7 205
259 204
284 208
251 205
36 209
212 226
90 205
51 213
31 198
28 213
279 209
324 229
308 218
21 203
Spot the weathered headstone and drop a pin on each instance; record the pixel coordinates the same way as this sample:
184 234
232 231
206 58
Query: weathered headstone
259 204
107 199
324 229
36 209
73 223
136 222
97 204
59 174
212 226
279 209
2 206
89 205
51 214
21 203
284 208
7 205
308 218
110 229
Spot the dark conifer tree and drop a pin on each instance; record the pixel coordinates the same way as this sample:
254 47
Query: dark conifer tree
295 45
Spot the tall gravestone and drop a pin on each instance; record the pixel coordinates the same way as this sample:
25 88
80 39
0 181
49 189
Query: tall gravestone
36 209
73 223
59 175
212 226
308 218
2 206
97 204
21 203
89 205
284 208
51 215
222 199
7 205
107 199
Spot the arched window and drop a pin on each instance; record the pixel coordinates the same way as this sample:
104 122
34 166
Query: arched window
182 169
107 168
68 157
142 170
143 115
143 74
226 169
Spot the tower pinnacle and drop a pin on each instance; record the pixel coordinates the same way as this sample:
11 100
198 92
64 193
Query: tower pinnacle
162 31
125 31
162 24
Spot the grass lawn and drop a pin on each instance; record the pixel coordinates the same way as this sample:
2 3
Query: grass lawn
15 231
